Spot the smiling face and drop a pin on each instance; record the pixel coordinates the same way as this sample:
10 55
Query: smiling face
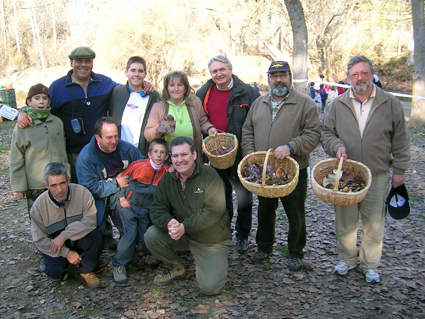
158 154
360 77
108 139
176 90
82 68
183 159
58 186
221 74
136 74
39 101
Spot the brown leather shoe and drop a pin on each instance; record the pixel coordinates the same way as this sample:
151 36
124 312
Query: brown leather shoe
90 279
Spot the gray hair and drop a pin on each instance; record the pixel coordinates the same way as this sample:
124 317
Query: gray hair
220 58
55 169
357 59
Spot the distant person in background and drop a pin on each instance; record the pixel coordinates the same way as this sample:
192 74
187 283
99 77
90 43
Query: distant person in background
312 90
323 96
178 99
333 93
376 81
256 87
318 100
130 106
341 90
33 148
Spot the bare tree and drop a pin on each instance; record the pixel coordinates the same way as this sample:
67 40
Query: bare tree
300 38
18 47
417 117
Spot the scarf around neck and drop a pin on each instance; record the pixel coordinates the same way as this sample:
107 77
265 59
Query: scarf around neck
37 114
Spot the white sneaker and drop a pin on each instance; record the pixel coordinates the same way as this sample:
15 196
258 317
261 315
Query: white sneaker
342 268
372 276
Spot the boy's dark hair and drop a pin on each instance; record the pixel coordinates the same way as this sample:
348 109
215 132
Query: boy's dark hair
99 124
158 141
183 140
54 169
311 83
135 59
322 86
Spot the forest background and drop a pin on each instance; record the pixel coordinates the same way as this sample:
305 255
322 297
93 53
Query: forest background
37 36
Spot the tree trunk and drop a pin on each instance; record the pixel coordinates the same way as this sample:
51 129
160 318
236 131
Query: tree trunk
417 115
18 47
37 36
54 26
300 39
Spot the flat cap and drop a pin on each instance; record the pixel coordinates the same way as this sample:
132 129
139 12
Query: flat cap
82 52
279 66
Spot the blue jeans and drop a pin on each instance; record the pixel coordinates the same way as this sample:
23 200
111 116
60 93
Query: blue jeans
135 222
89 247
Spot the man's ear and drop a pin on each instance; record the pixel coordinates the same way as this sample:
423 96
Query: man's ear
97 137
45 185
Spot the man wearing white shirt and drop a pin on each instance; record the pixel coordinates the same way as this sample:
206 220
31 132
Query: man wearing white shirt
130 106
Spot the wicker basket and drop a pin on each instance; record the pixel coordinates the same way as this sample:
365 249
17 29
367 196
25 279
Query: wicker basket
212 143
288 164
322 169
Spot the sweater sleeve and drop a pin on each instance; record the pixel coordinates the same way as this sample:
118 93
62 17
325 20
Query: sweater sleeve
247 143
203 118
400 139
155 116
18 176
329 135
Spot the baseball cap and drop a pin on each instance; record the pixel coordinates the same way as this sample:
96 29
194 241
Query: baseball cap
82 52
398 202
279 66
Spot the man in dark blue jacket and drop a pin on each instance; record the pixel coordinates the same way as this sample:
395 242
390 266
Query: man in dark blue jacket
226 100
99 166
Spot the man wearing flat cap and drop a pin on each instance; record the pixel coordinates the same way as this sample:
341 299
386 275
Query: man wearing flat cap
287 121
79 99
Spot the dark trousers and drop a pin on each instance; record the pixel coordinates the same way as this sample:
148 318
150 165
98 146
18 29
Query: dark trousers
294 205
244 197
90 247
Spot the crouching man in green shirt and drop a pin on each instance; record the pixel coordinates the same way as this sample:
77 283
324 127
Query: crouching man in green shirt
189 213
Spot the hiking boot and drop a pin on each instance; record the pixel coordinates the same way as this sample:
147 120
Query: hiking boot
342 268
259 257
167 275
372 276
295 264
119 273
90 279
242 245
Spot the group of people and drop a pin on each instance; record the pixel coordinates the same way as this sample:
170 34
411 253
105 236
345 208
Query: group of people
168 206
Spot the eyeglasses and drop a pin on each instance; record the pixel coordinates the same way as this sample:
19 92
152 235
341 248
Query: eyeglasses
364 75
277 76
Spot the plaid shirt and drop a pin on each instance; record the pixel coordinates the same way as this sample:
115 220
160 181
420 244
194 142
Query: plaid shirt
276 106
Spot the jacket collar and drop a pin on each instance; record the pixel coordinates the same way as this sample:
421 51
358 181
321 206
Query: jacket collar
93 78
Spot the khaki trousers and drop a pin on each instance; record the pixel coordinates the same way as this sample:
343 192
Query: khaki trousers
211 259
372 210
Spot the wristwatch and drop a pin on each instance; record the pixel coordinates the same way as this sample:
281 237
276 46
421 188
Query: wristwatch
291 150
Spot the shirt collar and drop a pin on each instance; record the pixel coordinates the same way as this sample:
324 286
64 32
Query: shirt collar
142 94
227 88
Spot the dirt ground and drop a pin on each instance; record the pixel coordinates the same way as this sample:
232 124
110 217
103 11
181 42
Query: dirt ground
252 291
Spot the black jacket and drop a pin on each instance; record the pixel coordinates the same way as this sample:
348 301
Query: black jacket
241 99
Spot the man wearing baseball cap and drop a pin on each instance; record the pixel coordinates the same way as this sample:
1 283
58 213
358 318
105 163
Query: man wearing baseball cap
287 121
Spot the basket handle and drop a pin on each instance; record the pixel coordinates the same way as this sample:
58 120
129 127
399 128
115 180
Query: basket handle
338 172
220 131
270 151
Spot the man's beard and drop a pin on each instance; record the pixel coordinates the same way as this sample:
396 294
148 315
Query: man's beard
362 90
280 89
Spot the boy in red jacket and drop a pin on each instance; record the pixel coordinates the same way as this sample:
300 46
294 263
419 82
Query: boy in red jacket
133 204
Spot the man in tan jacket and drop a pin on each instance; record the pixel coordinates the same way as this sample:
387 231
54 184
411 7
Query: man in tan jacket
287 121
366 124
